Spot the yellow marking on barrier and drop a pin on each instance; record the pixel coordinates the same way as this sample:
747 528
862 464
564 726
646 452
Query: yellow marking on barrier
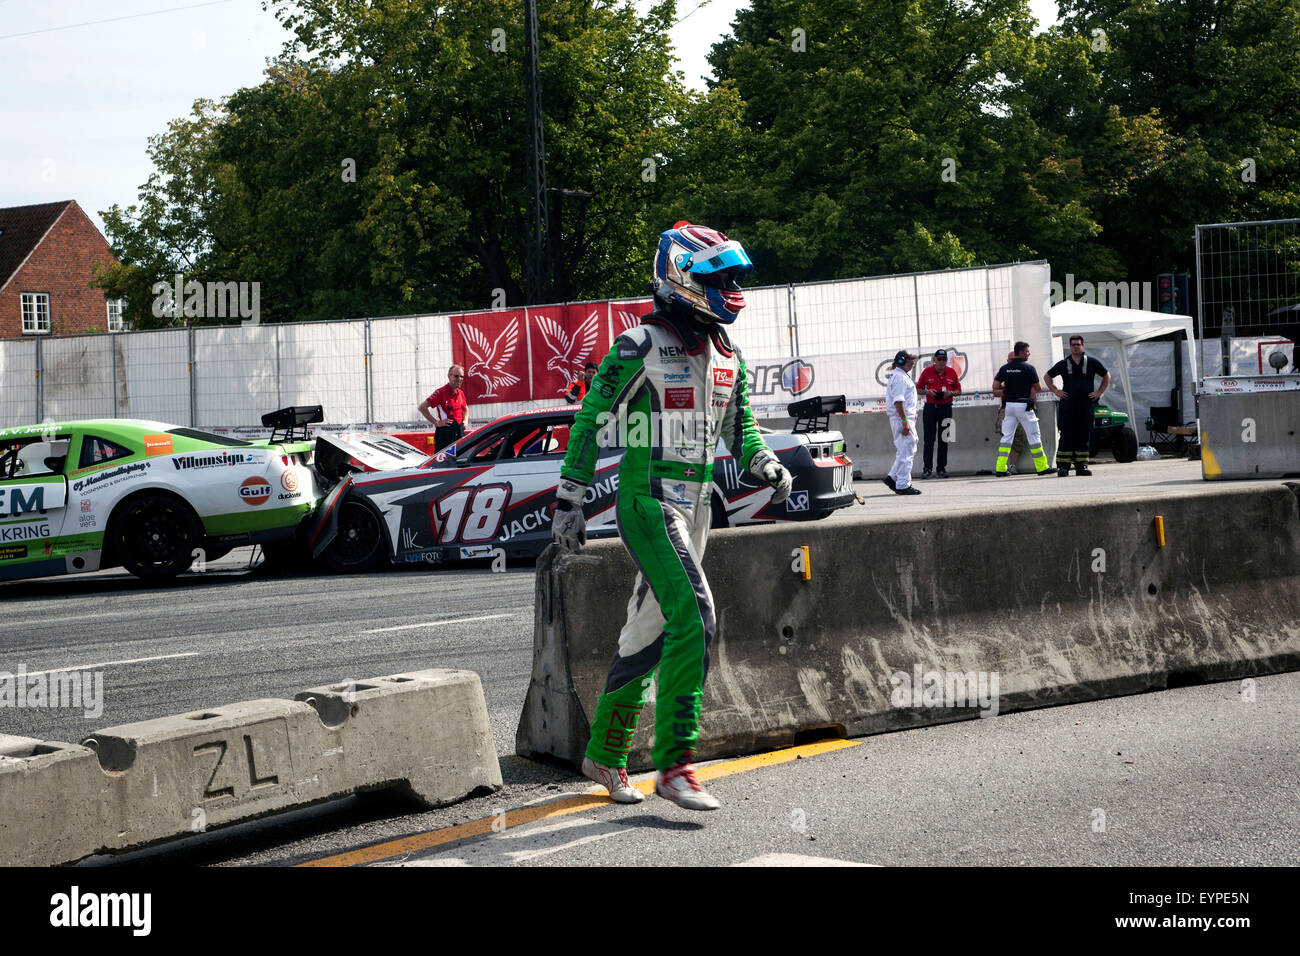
559 808
1160 530
1209 464
807 563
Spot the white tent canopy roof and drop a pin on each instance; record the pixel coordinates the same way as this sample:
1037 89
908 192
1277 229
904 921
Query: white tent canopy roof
1110 325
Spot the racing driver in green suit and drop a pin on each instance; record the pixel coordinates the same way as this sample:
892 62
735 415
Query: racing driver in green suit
681 385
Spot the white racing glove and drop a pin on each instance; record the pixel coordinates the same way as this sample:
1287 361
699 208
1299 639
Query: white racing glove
766 466
568 526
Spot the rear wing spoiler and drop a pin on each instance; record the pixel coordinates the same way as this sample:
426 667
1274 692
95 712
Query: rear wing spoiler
814 414
290 424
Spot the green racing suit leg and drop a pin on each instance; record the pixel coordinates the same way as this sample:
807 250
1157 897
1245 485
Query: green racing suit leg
670 627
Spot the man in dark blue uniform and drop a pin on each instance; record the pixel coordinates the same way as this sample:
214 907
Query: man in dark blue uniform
1074 415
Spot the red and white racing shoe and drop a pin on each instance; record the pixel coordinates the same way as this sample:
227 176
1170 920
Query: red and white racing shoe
613 779
679 785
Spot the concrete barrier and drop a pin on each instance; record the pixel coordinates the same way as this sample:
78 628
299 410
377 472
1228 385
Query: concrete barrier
425 733
974 448
1056 604
1251 435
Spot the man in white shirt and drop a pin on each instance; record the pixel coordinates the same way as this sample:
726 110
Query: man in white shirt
900 404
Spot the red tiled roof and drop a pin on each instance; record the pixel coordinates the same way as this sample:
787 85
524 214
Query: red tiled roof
21 229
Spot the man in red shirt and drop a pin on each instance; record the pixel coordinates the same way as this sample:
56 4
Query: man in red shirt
938 383
449 401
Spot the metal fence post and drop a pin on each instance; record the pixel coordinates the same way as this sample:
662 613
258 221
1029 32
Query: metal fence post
279 392
916 304
112 345
792 320
369 384
40 386
194 407
988 301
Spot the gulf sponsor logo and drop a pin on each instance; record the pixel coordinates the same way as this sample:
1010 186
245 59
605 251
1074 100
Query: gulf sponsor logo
157 445
255 491
680 397
724 377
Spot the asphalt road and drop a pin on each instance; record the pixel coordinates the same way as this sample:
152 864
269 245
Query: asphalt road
1213 779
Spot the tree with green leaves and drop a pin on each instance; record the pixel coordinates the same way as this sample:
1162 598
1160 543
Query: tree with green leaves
379 167
169 231
1209 94
886 137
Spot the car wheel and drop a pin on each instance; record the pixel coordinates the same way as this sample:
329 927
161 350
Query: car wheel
360 539
155 536
1125 445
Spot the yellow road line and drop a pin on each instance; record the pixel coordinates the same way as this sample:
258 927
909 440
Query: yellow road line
559 808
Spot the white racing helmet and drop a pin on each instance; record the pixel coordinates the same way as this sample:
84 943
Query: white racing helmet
698 268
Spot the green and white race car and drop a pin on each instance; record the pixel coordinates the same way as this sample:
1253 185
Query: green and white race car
152 498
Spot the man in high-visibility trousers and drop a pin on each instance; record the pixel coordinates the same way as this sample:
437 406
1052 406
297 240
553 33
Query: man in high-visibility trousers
1018 382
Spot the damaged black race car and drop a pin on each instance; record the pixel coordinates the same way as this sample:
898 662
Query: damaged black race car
492 492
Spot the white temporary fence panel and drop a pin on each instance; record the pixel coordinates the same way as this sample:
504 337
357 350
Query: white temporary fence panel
153 380
77 377
378 370
860 315
324 363
409 359
956 307
235 374
18 383
763 328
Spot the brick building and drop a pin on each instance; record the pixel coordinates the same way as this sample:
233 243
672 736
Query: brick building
47 257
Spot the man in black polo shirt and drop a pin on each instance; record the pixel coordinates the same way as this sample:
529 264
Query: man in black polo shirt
1018 383
1074 416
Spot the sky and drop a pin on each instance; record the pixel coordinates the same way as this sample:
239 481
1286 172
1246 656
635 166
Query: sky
84 84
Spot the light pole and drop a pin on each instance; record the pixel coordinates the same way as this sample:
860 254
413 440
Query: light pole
555 236
536 266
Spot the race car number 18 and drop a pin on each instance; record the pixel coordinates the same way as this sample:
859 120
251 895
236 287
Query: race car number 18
471 514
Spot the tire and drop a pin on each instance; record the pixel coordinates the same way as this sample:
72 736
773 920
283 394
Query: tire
155 536
1125 445
359 542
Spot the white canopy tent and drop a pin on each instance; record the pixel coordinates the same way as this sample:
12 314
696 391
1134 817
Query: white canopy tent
1110 325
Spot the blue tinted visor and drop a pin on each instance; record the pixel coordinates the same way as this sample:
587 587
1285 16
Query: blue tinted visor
729 255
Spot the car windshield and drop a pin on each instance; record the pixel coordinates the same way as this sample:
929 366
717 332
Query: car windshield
33 456
518 439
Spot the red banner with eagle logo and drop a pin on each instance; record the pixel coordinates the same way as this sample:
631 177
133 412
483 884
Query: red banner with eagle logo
564 338
493 348
517 355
